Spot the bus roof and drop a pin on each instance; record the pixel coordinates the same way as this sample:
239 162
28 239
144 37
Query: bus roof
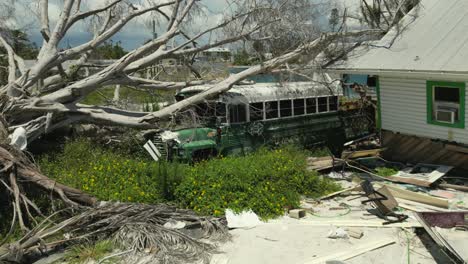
260 92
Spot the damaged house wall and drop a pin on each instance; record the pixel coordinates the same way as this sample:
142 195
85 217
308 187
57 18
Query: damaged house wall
422 66
407 130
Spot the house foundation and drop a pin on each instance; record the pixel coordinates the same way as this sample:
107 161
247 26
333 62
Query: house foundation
414 149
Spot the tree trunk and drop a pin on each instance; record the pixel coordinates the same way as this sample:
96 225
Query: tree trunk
27 172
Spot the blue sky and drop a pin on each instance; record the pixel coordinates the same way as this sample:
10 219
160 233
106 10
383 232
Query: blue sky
135 33
131 36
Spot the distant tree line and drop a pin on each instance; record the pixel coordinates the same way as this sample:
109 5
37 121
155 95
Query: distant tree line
109 51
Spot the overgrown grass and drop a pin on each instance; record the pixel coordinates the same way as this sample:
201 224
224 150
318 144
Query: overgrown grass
88 253
112 176
265 181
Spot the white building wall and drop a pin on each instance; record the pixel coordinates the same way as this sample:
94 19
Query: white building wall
404 110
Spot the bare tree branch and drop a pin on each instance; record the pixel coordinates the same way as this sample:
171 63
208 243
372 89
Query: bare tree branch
80 16
44 15
11 60
312 49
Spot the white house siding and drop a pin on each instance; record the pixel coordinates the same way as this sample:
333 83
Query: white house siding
404 110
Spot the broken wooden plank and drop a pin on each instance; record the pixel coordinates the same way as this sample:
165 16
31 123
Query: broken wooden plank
417 197
456 148
322 163
358 223
442 194
362 153
418 207
408 180
453 186
355 188
342 255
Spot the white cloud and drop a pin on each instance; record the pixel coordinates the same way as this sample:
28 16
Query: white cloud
139 30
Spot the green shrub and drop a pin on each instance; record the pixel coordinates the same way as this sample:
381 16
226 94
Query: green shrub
265 181
386 172
112 176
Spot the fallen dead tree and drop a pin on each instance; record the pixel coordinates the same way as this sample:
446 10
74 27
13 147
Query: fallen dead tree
17 166
136 227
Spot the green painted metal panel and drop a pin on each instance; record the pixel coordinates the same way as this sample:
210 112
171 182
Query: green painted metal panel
194 134
379 105
199 144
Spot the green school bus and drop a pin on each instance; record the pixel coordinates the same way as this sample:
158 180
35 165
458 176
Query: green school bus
254 115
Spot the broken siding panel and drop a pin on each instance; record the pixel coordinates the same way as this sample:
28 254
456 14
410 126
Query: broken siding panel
404 110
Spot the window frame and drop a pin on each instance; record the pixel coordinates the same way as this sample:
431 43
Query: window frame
277 110
294 106
293 114
307 106
430 102
262 110
281 109
246 108
337 103
327 104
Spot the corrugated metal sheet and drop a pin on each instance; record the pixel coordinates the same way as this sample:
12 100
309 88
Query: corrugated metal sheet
434 39
404 110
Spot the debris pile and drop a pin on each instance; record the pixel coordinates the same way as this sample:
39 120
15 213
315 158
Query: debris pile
421 199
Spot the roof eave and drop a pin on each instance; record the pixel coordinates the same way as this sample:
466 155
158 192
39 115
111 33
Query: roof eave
446 75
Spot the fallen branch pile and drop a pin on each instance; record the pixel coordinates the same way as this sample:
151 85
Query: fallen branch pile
135 227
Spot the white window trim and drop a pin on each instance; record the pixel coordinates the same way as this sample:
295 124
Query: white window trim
306 113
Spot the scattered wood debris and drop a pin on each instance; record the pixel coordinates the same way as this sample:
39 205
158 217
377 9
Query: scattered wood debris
414 196
355 188
362 153
322 163
414 191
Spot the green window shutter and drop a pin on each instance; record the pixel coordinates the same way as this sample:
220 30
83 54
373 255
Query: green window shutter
430 107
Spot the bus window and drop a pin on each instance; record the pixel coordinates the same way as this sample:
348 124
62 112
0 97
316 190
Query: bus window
271 109
299 107
256 111
323 104
311 105
221 112
333 101
285 108
237 113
